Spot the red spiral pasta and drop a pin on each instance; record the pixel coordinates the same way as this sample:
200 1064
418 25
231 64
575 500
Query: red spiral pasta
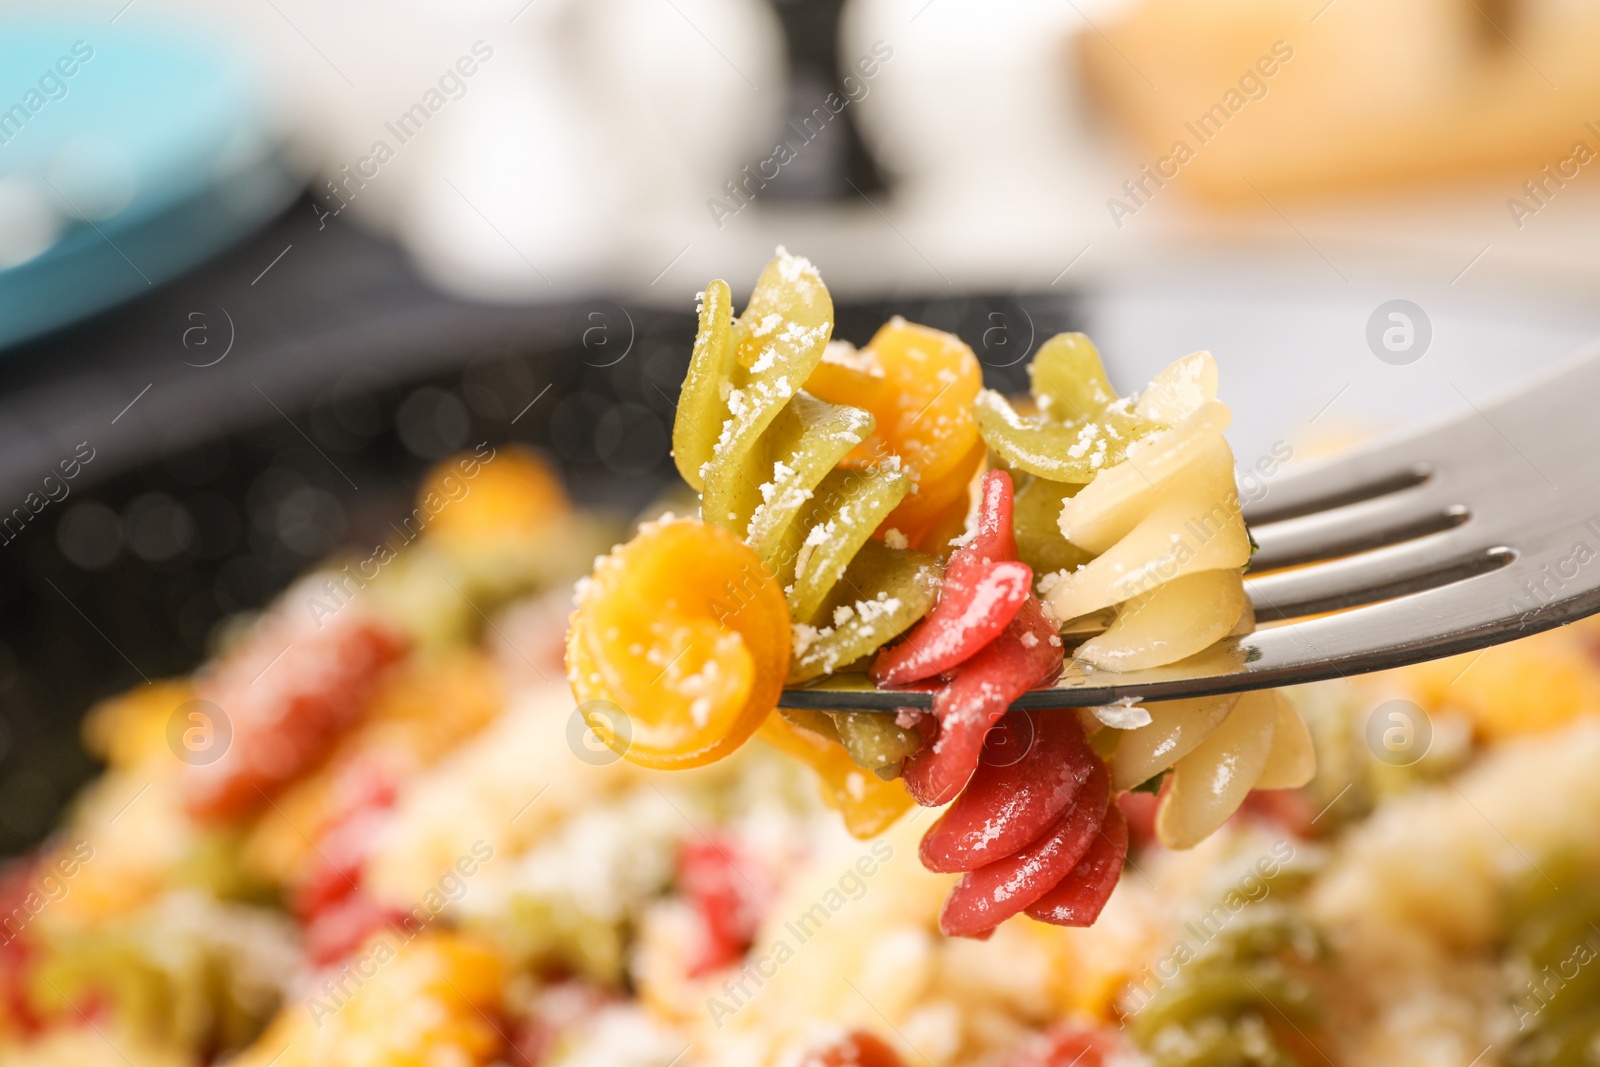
1032 827
323 672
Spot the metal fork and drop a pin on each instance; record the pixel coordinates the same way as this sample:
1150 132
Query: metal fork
1481 530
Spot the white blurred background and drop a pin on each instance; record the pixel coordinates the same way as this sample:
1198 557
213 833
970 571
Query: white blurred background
592 145
585 150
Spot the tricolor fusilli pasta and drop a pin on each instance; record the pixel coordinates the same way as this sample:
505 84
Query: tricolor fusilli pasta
1147 501
834 484
1149 528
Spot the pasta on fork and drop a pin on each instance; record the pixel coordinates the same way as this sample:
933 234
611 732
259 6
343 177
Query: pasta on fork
835 486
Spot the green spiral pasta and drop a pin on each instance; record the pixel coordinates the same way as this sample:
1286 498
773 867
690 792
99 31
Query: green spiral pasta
188 971
1554 958
765 456
1227 1004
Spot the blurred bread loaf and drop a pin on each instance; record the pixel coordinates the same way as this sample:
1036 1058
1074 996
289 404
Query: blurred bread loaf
1306 99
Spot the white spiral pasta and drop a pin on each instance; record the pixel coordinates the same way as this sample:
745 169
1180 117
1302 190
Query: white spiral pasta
1218 749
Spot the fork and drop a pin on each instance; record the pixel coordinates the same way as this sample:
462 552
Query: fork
1480 530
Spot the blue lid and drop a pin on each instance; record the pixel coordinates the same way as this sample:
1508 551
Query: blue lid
106 135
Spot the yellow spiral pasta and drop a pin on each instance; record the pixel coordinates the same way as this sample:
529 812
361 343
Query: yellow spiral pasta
1149 512
765 456
1218 749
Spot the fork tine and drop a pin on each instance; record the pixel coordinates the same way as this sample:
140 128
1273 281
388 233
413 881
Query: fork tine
1448 619
1381 574
1390 519
1369 474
